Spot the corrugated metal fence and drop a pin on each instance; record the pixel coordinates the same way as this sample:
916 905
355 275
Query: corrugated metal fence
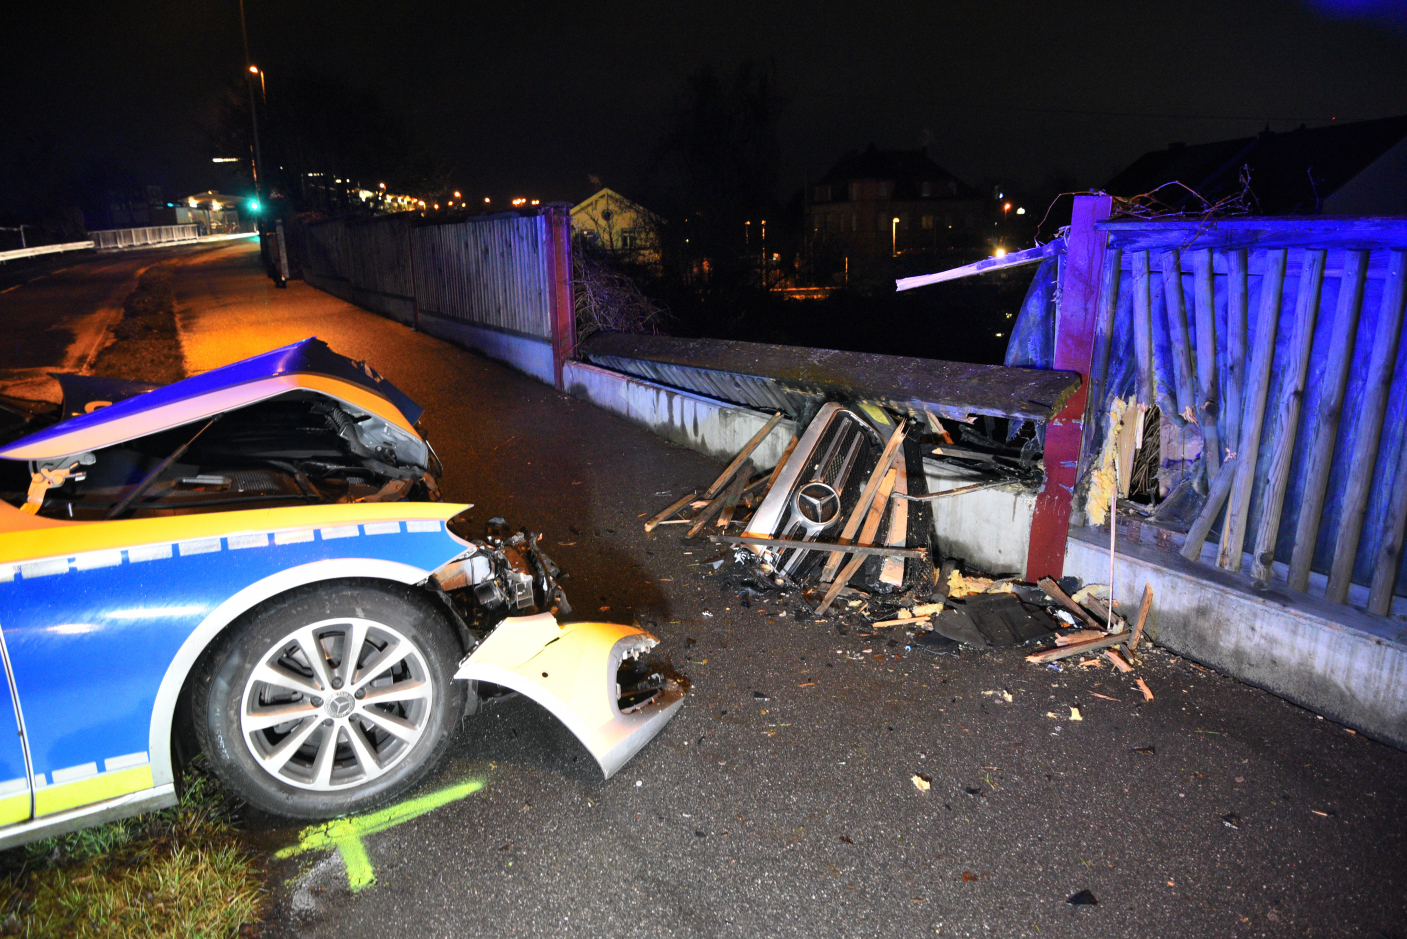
498 284
1271 349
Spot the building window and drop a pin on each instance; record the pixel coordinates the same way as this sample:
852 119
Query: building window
632 239
823 193
927 189
927 219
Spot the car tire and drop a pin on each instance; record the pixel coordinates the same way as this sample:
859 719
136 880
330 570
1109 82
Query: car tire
273 692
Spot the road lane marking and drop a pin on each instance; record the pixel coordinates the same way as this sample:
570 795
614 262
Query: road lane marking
346 834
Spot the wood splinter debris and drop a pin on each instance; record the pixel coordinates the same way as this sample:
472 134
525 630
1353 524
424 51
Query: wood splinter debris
1143 687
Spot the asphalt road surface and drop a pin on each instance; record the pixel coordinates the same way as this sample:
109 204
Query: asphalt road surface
57 310
781 801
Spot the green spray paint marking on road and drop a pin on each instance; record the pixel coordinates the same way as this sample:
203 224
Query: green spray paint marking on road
346 834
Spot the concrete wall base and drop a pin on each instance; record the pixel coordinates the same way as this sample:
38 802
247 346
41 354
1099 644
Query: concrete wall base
1332 659
990 529
713 427
532 357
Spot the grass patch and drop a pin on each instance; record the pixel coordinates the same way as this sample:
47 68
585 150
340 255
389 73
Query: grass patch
179 872
146 346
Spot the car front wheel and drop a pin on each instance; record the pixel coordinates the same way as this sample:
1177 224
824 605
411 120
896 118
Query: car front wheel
330 700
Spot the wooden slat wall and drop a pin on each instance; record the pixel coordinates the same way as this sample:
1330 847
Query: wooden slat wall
1266 379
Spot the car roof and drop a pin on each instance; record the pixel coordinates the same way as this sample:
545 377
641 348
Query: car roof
308 365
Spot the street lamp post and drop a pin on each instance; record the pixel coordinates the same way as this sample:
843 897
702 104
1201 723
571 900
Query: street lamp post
253 114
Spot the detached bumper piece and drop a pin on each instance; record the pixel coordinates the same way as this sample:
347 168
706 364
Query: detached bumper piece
585 674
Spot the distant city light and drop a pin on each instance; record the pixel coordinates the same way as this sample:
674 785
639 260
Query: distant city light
383 186
254 205
999 253
486 199
456 194
224 159
534 202
1006 207
253 70
1020 211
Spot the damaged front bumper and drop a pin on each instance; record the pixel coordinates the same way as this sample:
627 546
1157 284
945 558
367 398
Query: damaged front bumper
575 671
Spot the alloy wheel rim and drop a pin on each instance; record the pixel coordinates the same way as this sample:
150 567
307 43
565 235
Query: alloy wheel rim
317 718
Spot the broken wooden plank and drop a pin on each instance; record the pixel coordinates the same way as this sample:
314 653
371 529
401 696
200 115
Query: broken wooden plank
867 495
944 576
1078 648
784 543
1238 294
746 452
1282 444
1233 536
1078 636
901 383
1367 433
733 495
1143 329
867 533
1143 687
847 572
669 512
905 621
892 571
1118 661
1144 606
1343 335
777 470
1208 406
1179 337
937 427
1053 590
1221 488
703 518
960 490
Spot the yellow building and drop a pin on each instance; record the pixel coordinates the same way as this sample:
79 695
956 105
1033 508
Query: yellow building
615 224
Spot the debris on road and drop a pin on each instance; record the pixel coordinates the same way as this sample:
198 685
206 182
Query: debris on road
921 782
841 528
1083 898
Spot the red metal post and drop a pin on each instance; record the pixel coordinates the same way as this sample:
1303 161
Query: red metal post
1075 321
559 259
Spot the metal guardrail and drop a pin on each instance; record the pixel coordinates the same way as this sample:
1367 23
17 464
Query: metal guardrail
35 252
136 237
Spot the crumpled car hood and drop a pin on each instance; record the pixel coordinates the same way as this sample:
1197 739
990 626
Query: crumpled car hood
307 365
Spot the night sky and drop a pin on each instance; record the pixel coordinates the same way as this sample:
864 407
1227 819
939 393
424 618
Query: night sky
534 99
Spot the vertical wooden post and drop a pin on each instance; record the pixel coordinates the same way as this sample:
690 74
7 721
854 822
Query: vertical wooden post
1389 558
1343 336
1238 301
1367 432
559 272
1208 406
1272 287
1103 345
1104 329
1178 337
1075 323
1282 448
1143 328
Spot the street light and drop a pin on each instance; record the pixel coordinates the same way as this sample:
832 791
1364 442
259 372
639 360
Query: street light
253 115
894 236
